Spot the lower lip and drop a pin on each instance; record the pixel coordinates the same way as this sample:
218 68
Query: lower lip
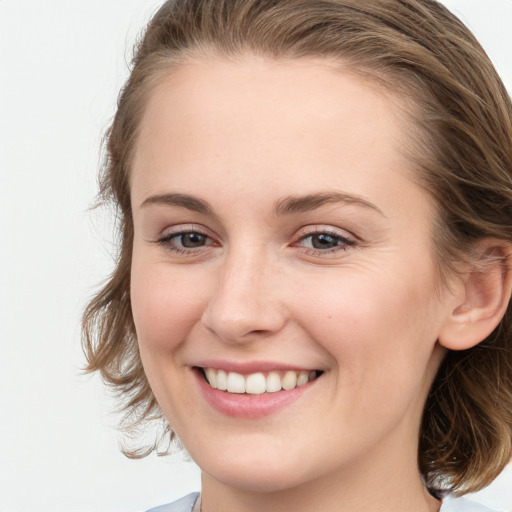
245 405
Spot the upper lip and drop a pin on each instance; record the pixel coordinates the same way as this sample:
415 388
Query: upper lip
248 367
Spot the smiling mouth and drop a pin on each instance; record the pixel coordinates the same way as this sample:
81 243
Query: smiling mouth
258 383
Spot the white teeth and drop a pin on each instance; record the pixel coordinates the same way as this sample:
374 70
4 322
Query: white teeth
273 382
289 380
236 383
302 379
257 383
222 380
211 375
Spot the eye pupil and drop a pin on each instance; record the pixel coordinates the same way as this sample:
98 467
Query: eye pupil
324 241
191 240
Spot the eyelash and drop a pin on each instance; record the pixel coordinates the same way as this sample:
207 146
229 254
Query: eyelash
167 243
343 243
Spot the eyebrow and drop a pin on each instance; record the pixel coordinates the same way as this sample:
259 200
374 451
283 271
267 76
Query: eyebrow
186 201
302 204
286 206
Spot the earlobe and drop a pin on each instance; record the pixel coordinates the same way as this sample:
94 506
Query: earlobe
481 296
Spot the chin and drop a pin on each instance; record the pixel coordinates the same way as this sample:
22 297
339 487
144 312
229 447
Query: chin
263 479
260 470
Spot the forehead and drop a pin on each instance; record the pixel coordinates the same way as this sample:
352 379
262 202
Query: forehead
290 117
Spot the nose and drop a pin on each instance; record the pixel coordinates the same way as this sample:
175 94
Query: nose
245 302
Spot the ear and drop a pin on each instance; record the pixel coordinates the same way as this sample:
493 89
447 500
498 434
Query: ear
480 297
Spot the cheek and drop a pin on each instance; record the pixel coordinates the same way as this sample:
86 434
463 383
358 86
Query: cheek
372 321
166 305
380 335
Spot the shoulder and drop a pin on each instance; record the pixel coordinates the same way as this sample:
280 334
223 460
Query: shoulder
463 505
184 504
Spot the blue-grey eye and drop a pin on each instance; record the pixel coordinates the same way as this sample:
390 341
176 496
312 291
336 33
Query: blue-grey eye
324 241
191 240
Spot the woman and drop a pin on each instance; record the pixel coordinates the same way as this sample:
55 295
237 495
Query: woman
314 280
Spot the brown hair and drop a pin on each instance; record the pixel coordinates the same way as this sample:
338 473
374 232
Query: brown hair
462 150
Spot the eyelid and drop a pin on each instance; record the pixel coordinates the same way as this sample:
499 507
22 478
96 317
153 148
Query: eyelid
325 229
184 228
347 240
165 239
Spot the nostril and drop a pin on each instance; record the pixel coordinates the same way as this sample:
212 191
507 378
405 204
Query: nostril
237 314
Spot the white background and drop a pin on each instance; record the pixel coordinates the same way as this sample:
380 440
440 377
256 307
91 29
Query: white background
62 63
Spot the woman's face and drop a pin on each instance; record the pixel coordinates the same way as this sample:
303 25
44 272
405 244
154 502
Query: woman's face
279 236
